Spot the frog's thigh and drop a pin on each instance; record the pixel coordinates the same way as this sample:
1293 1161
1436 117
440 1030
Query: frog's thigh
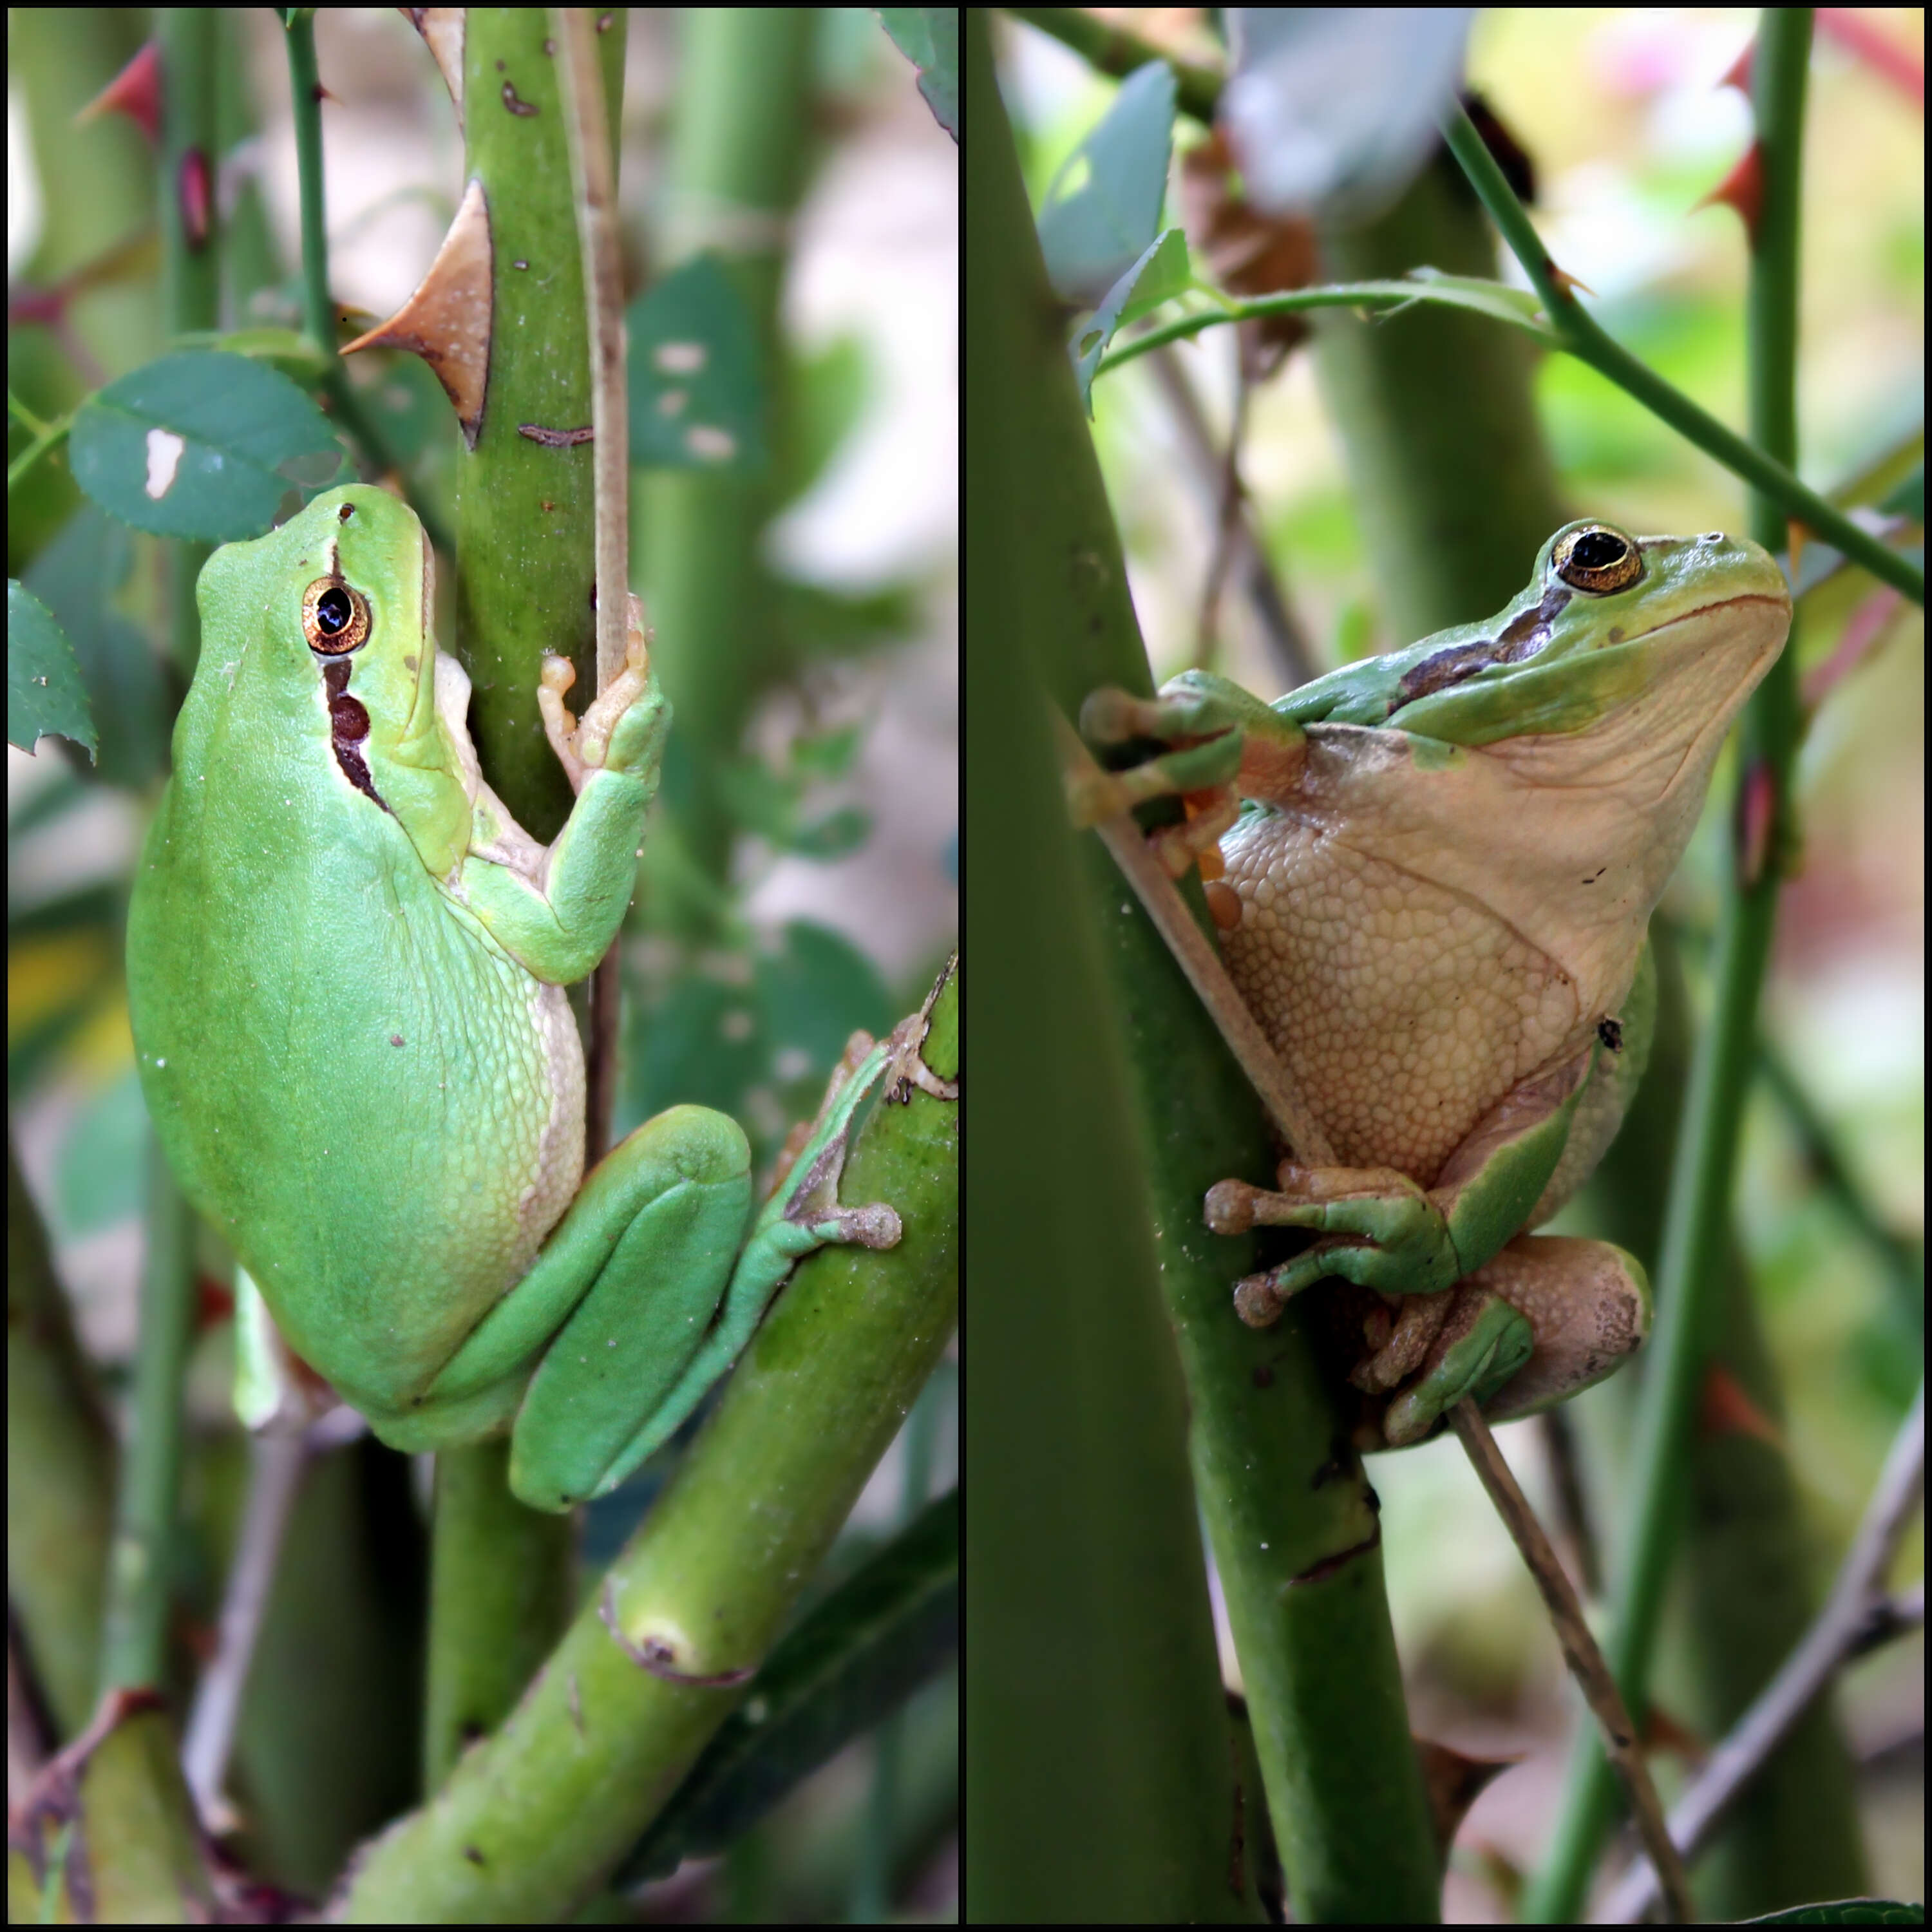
629 1281
1588 1303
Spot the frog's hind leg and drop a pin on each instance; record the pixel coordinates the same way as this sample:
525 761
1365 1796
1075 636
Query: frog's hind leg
1398 1347
803 1213
1481 1343
620 1303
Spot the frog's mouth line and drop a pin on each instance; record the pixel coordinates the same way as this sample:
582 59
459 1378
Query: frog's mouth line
1704 610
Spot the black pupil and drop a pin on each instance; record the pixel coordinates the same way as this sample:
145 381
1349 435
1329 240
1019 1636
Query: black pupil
332 612
1598 550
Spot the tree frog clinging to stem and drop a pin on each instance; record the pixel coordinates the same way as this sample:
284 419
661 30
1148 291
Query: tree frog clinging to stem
1435 905
346 963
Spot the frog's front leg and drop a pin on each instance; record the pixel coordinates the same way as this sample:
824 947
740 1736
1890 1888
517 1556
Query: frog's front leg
1225 744
649 1289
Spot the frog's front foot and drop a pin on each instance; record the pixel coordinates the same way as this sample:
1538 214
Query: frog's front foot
1199 768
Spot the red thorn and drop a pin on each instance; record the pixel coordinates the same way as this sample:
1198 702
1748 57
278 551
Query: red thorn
135 92
1727 1409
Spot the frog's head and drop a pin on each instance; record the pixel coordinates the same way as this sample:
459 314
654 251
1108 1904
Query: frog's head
1559 752
1644 646
346 654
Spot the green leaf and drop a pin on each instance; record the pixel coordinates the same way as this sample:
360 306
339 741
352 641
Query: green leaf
697 392
818 623
834 836
290 350
44 690
814 993
77 576
1104 206
202 444
1517 308
826 754
702 1041
825 395
759 1049
101 1176
1161 272
928 37
850 1662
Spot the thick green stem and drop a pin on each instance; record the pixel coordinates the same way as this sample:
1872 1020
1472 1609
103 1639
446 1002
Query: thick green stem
531 1821
1082 1680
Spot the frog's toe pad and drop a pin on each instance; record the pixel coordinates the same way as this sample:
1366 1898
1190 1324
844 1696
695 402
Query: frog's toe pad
875 1225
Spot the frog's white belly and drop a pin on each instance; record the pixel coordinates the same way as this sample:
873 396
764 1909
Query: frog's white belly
1404 1010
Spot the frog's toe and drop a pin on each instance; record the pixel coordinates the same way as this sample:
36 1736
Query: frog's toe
1476 1355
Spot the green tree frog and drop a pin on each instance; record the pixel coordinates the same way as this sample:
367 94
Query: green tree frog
1435 904
346 964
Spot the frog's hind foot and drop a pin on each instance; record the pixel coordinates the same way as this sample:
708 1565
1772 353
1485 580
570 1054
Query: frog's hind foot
1398 1345
1481 1342
804 1210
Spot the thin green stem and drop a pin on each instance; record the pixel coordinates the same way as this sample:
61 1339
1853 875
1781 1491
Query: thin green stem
1690 1270
1579 333
1567 326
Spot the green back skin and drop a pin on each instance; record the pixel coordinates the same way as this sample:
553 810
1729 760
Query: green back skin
380 1090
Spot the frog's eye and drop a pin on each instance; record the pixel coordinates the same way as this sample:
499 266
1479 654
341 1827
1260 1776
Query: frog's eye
335 619
1595 557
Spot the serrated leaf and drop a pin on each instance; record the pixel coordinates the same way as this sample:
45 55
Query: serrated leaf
202 444
1161 272
45 692
1520 308
76 575
928 37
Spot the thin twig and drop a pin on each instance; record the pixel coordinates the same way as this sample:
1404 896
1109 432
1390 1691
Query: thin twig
275 1466
1174 921
1231 523
1839 1631
594 197
1580 1652
1570 1507
1289 650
